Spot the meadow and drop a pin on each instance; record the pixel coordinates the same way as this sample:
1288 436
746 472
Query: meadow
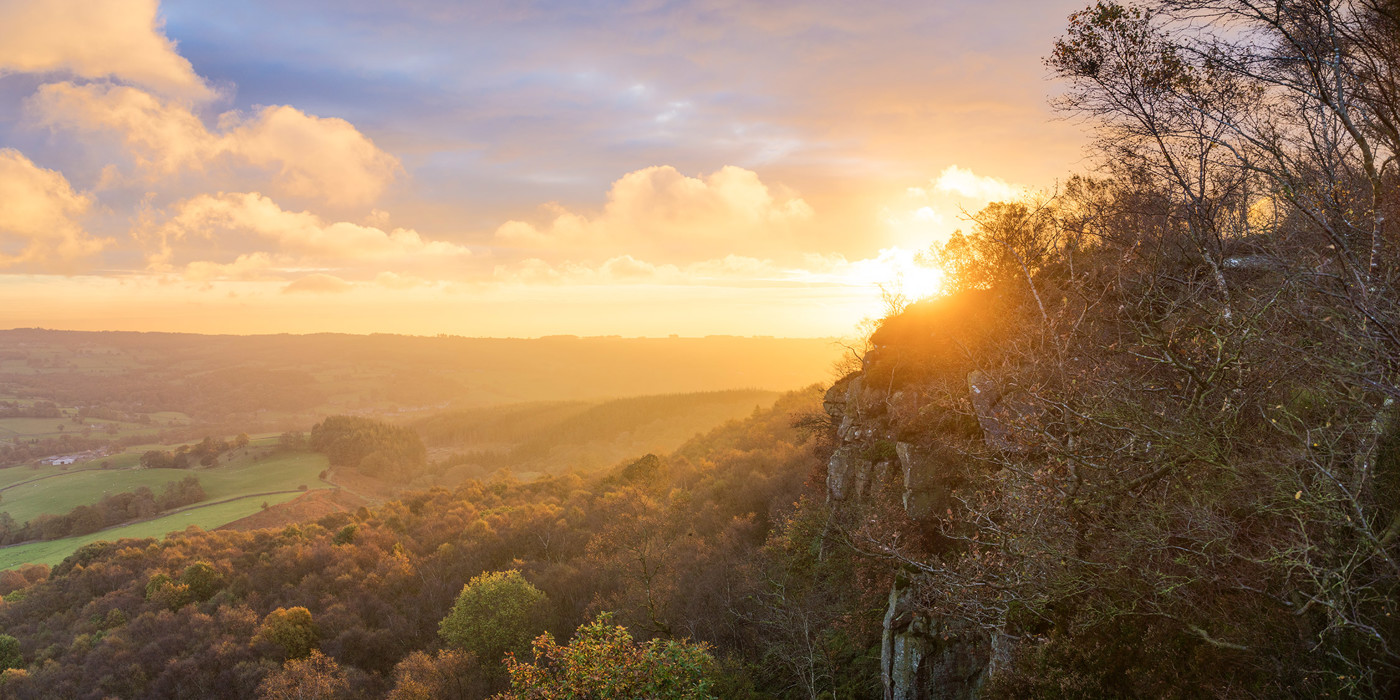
205 517
235 488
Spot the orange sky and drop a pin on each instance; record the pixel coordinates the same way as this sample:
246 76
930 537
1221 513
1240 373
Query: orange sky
632 168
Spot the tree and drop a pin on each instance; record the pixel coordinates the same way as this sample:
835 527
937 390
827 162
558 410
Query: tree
10 656
202 579
317 677
603 662
496 613
290 630
168 593
451 675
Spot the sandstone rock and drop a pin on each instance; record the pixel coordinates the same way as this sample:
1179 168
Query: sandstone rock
846 473
924 658
834 401
925 486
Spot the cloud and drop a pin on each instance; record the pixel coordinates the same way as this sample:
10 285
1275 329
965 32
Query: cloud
730 270
225 216
251 266
661 214
39 213
394 280
961 181
308 156
122 39
318 283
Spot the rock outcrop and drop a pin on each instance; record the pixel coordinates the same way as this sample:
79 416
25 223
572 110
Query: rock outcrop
921 656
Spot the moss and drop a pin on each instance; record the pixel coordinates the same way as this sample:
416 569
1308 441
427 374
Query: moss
882 451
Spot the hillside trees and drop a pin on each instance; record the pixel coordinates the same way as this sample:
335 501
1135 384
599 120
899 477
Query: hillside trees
192 615
603 661
370 446
450 675
1314 137
316 677
1191 428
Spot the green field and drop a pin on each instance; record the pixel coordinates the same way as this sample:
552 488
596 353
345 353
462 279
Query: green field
57 490
64 491
206 517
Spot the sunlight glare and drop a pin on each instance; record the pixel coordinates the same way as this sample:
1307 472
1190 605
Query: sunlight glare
898 270
918 282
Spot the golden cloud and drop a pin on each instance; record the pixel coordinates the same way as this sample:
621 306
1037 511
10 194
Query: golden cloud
39 226
961 181
661 214
122 39
247 267
318 283
308 156
227 215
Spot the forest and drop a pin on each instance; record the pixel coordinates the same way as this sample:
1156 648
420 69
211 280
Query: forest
1147 444
641 559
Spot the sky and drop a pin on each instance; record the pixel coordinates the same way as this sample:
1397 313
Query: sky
636 168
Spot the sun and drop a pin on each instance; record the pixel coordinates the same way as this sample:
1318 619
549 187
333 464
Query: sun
916 281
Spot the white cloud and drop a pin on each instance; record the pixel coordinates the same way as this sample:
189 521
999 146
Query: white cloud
122 39
307 156
961 181
39 217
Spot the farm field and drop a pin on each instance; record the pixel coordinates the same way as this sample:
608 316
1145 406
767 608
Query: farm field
234 490
59 492
206 517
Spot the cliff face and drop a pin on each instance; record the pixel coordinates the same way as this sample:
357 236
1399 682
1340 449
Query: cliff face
921 657
894 445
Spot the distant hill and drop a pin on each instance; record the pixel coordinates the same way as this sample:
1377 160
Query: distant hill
549 437
274 377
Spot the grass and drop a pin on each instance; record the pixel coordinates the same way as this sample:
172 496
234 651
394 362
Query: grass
63 491
246 472
37 427
14 475
206 517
